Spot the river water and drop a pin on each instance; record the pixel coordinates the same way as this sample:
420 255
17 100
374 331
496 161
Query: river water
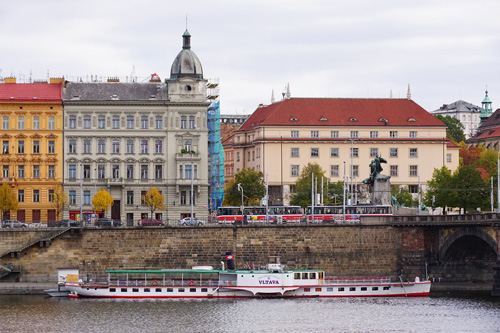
441 313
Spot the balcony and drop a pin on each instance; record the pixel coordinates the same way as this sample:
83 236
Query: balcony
187 181
187 157
115 181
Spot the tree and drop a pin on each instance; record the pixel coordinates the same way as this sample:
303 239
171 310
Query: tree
102 201
253 186
60 201
8 199
470 155
439 188
154 200
335 193
454 128
302 196
403 196
469 189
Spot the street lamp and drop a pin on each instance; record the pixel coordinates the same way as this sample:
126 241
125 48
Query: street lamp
352 153
240 188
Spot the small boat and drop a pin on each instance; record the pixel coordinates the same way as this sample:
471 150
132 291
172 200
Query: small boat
62 278
274 280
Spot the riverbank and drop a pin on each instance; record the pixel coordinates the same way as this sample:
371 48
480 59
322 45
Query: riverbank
37 288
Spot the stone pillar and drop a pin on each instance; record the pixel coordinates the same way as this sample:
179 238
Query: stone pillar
495 290
381 194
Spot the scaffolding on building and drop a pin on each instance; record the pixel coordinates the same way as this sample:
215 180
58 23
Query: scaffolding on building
215 149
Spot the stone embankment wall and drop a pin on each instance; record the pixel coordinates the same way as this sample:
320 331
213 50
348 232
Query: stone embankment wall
340 250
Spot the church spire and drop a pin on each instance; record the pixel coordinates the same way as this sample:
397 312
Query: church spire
486 108
408 94
272 97
288 91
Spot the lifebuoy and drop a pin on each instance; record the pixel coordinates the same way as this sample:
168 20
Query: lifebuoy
155 283
191 283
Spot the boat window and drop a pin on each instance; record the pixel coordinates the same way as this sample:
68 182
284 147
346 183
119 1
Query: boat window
341 289
312 275
352 289
318 289
329 289
181 290
112 290
192 290
386 288
135 290
158 290
374 288
146 290
304 276
296 276
204 290
307 289
123 290
320 275
170 290
363 288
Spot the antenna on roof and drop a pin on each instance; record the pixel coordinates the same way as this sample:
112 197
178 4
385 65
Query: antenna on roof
31 73
186 21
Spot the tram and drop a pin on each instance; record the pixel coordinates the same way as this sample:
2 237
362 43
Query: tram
352 213
257 214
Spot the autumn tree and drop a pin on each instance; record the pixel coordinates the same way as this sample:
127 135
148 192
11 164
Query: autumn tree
60 200
454 128
154 200
8 199
253 186
102 201
302 196
470 155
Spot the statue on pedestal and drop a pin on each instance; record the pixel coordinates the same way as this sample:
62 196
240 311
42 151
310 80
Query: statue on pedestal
380 184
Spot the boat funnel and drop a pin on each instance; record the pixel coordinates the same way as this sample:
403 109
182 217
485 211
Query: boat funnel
230 261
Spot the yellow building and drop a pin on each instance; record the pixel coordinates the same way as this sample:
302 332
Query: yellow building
342 135
32 146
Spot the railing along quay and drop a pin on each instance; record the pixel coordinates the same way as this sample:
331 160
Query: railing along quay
484 219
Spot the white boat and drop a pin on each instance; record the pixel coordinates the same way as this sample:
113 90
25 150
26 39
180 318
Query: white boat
272 281
62 278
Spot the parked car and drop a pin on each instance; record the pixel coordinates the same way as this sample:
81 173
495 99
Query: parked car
103 222
13 224
67 223
190 221
148 222
117 223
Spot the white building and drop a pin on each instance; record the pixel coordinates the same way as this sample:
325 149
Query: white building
467 113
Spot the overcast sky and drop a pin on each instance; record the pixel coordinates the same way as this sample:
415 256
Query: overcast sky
446 50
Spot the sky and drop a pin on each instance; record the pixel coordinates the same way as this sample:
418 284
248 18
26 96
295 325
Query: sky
446 50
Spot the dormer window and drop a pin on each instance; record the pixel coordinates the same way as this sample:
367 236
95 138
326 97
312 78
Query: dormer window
293 119
323 119
412 119
383 120
353 119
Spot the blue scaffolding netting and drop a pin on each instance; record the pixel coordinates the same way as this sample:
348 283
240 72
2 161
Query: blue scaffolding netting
215 156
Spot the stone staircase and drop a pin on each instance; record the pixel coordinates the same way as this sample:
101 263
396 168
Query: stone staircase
43 240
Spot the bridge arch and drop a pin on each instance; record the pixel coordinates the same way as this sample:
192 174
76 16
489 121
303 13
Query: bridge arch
467 231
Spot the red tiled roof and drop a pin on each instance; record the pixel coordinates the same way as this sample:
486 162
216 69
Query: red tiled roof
24 92
487 134
341 112
452 145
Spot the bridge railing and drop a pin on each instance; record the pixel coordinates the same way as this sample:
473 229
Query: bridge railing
459 219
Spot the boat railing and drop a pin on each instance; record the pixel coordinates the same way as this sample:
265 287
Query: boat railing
160 282
356 281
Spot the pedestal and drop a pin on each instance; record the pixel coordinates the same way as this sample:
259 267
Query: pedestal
381 190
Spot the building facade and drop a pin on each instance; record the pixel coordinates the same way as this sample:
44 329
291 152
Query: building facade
488 134
342 135
128 137
467 113
32 141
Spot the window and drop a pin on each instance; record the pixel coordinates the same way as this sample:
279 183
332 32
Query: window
101 171
130 122
334 152
187 170
20 195
195 176
413 170
36 195
72 121
393 134
36 147
144 171
20 147
72 197
294 134
158 122
52 147
144 146
101 146
144 122
101 121
295 170
5 147
130 197
334 134
394 171
36 123
294 152
86 171
237 156
130 146
52 124
5 123
72 146
158 171
116 122
86 146
5 171
191 122
20 171
72 171
334 170
373 134
183 197
373 152
52 171
354 134
116 171
20 123
183 121
36 171
130 171
248 156
413 189
355 171
86 197
413 134
314 134
354 152
448 158
86 121
314 152
393 152
159 146
116 146
187 145
413 152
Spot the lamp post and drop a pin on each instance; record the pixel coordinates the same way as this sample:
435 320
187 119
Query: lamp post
352 153
240 188
81 192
